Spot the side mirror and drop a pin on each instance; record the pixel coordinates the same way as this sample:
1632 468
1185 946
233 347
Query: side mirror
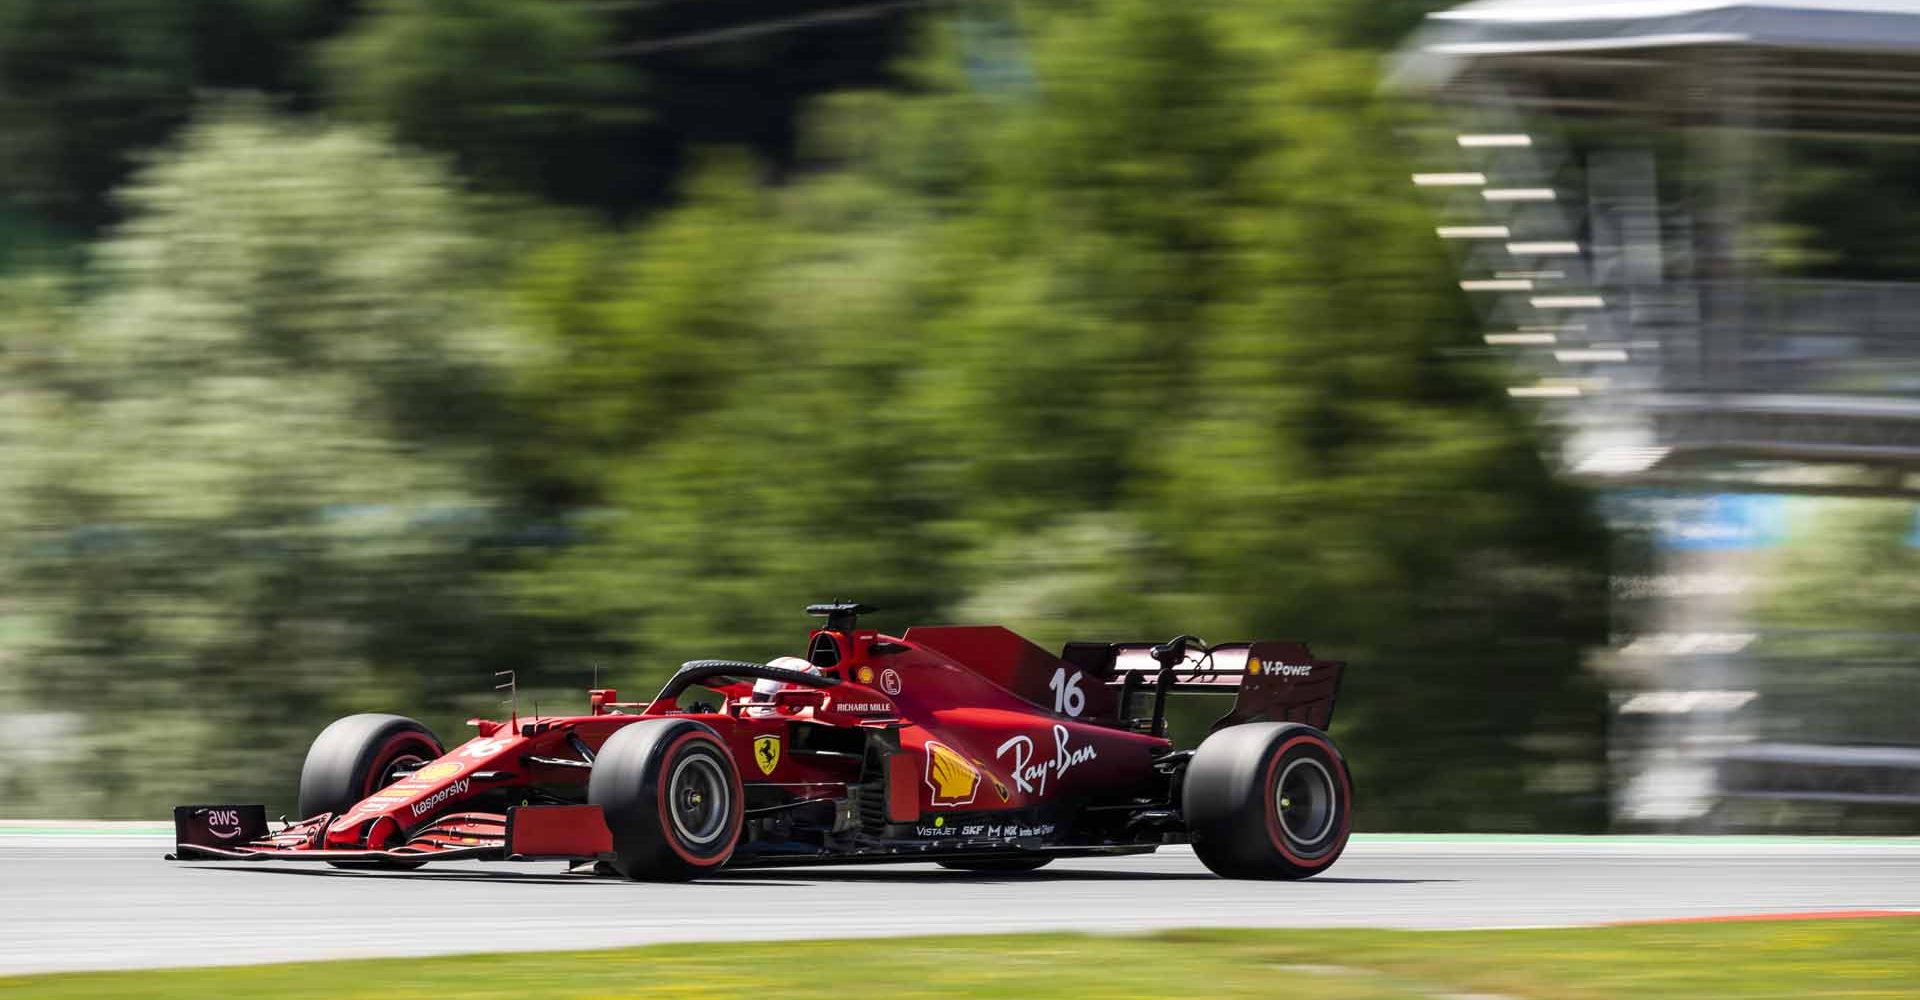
793 700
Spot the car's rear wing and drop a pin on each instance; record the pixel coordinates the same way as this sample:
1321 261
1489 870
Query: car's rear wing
1270 681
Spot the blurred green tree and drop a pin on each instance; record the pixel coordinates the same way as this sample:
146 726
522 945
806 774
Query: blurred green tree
544 98
521 94
1136 330
83 84
1156 344
718 394
87 85
638 331
260 493
599 104
1375 24
1835 615
740 73
1847 210
1849 566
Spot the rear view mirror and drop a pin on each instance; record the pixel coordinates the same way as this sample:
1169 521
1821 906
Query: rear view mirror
794 700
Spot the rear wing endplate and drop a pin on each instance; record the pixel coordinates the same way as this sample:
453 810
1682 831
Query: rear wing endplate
1270 681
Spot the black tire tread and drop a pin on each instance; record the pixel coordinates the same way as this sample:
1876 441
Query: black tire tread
334 771
1223 800
624 784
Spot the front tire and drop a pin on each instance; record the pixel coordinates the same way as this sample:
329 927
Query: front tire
1269 800
357 756
672 799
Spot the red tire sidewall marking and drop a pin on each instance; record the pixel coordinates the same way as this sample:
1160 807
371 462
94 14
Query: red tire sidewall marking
387 752
665 816
1275 834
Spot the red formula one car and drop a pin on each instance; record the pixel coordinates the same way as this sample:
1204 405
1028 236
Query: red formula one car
968 746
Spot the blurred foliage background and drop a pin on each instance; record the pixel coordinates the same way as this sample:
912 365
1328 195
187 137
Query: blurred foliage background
356 350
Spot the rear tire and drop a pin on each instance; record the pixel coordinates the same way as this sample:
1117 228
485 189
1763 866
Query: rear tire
1000 865
1268 800
357 756
672 799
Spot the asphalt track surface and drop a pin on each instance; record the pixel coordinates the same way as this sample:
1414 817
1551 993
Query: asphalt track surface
100 897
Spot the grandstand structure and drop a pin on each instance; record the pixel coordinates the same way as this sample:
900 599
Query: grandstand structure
1606 176
1606 173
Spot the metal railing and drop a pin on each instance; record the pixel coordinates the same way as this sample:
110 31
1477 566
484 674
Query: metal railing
1810 337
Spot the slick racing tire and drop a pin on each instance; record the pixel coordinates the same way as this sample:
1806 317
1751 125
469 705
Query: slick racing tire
357 756
671 797
1004 866
1268 800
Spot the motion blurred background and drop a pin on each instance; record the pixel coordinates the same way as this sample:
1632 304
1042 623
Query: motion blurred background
1557 365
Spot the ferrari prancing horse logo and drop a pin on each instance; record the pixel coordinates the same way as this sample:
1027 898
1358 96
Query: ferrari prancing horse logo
766 753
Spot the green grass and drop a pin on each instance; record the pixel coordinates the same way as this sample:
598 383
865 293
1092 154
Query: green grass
1836 958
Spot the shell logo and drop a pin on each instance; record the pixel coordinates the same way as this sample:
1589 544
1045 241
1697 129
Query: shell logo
434 772
951 778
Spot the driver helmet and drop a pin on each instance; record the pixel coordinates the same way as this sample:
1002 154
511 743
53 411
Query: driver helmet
764 688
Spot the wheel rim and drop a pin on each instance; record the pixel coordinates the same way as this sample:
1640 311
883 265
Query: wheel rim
399 767
1305 801
402 754
699 799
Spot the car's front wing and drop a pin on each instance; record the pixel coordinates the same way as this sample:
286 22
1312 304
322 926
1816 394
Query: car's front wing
241 833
